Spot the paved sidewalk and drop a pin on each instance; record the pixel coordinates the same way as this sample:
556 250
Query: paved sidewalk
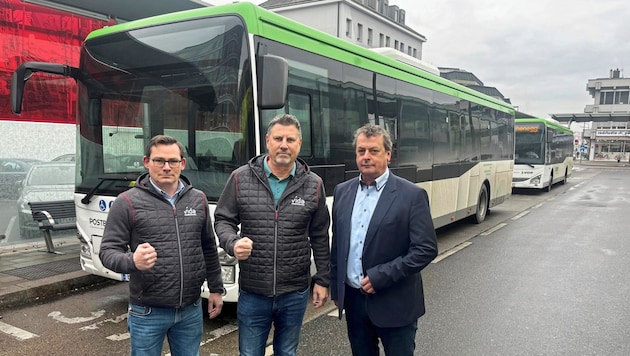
29 274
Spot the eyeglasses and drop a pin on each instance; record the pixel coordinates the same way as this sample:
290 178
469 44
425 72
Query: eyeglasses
173 163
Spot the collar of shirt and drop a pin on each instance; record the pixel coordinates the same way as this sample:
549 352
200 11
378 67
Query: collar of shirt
171 199
268 170
379 182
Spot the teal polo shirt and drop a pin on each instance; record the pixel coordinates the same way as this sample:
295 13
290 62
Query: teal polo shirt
277 186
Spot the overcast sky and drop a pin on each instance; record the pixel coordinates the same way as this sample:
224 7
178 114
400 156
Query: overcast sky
538 53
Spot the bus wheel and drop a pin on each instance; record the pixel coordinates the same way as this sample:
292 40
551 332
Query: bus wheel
550 184
482 206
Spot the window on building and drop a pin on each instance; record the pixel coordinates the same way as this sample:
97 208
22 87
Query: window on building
370 35
396 44
348 28
381 40
621 97
415 53
402 47
606 97
359 32
387 41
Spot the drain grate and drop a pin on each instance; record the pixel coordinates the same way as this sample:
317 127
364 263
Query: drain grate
44 270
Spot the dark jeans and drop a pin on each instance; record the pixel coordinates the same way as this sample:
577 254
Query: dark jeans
149 325
364 335
256 313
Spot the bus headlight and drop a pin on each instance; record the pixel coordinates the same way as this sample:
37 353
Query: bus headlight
85 247
228 267
227 274
536 180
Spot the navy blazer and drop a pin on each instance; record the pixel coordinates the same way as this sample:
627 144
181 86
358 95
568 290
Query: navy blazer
400 242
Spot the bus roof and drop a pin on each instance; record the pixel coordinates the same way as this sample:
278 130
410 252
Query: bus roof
546 121
270 25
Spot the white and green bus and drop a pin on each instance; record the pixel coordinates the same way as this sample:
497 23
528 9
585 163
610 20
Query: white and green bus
214 77
543 153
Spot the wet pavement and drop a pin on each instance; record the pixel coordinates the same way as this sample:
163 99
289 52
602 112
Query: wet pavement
30 274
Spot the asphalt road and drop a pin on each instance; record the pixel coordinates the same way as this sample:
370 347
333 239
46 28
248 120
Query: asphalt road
549 280
543 275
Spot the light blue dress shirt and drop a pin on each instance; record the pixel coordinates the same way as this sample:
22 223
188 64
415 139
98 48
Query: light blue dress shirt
171 199
364 204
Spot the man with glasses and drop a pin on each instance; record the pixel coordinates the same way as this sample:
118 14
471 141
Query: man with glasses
160 232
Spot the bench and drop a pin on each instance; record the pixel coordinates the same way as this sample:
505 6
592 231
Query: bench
51 216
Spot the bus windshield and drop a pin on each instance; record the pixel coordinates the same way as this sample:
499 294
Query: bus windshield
529 143
183 79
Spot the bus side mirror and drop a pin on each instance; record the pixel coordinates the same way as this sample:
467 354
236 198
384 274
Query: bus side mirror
24 73
272 81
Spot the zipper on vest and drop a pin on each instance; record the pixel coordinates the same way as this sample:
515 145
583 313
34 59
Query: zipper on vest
181 259
275 251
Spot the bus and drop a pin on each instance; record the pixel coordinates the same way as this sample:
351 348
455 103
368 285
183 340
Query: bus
214 77
543 153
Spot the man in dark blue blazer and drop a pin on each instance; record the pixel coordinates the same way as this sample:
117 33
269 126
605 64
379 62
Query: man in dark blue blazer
383 236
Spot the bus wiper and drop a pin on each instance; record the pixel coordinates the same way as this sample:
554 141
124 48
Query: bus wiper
111 177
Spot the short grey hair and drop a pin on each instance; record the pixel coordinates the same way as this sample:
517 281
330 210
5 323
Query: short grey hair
285 120
371 130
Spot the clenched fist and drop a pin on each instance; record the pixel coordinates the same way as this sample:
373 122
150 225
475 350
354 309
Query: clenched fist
145 256
243 248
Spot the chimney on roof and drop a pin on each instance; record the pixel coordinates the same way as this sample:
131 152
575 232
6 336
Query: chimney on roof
615 74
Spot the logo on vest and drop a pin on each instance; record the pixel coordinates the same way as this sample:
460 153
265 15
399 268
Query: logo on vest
297 201
190 212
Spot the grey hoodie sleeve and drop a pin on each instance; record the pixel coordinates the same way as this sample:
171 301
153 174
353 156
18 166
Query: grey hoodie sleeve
226 216
115 251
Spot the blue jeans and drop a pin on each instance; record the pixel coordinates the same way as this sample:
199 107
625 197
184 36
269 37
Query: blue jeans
149 325
364 335
256 313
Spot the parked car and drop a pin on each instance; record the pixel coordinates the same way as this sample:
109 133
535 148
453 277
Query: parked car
13 170
68 157
45 181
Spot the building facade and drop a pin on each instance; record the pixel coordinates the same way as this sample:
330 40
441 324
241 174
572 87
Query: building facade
608 136
367 23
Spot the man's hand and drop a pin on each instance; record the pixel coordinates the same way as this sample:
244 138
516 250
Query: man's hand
215 304
144 256
320 295
243 248
366 285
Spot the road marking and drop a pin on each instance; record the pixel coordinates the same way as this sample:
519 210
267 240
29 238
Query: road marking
488 232
16 332
118 337
537 206
217 333
56 315
452 251
335 313
94 326
520 215
222 331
